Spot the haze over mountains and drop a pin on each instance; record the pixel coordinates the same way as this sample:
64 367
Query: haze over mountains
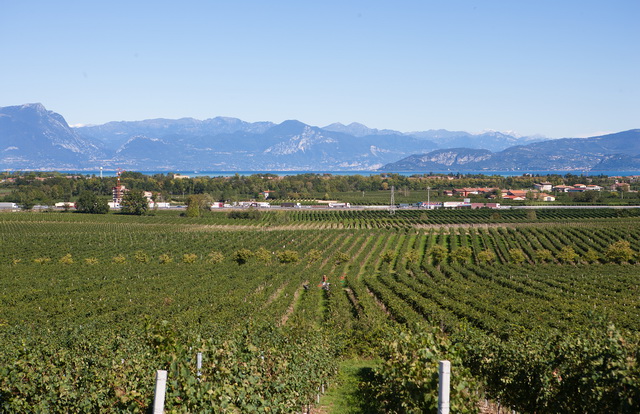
33 138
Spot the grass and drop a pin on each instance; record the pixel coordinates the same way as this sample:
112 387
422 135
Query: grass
345 397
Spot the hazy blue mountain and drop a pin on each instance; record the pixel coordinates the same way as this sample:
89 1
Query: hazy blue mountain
619 151
359 130
115 134
32 137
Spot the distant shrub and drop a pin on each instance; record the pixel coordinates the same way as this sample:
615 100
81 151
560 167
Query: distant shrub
263 255
543 255
141 257
242 256
388 256
461 254
216 257
189 258
120 259
341 257
486 256
288 256
247 214
438 253
165 258
91 261
67 259
567 254
517 256
619 252
412 256
313 255
42 260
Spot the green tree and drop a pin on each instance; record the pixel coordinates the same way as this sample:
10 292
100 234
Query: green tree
198 205
216 257
341 257
313 255
438 253
619 252
486 256
242 256
288 256
388 256
134 202
567 254
543 255
517 256
90 203
461 254
412 256
263 255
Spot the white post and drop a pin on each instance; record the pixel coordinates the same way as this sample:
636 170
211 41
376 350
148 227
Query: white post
161 388
199 363
443 390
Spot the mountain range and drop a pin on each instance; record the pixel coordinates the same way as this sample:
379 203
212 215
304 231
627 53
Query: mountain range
612 152
34 138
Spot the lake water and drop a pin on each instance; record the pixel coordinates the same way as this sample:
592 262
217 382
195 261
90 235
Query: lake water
364 173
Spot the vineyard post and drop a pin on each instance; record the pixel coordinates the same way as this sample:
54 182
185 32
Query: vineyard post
161 388
443 389
199 363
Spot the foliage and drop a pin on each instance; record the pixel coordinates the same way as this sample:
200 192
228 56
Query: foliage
543 255
189 258
407 382
242 256
198 205
246 214
288 256
215 257
486 256
567 254
438 253
141 257
461 254
165 258
263 255
388 256
412 256
91 261
517 256
67 259
119 259
341 257
313 255
89 202
591 256
619 252
593 370
135 203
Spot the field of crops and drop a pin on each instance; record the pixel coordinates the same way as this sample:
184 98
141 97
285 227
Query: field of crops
541 312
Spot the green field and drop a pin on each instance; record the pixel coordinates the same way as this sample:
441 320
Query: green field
538 312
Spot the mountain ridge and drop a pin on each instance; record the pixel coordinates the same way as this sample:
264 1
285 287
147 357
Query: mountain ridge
32 137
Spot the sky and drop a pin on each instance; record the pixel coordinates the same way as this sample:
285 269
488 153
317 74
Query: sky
555 68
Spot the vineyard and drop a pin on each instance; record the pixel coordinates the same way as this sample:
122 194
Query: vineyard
538 312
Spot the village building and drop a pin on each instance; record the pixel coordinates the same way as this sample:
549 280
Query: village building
546 186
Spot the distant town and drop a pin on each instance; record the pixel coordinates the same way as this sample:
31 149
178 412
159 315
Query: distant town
41 190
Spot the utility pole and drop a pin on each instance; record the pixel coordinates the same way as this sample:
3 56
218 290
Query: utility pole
429 198
392 204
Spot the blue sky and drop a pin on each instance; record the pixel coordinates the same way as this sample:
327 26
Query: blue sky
557 68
